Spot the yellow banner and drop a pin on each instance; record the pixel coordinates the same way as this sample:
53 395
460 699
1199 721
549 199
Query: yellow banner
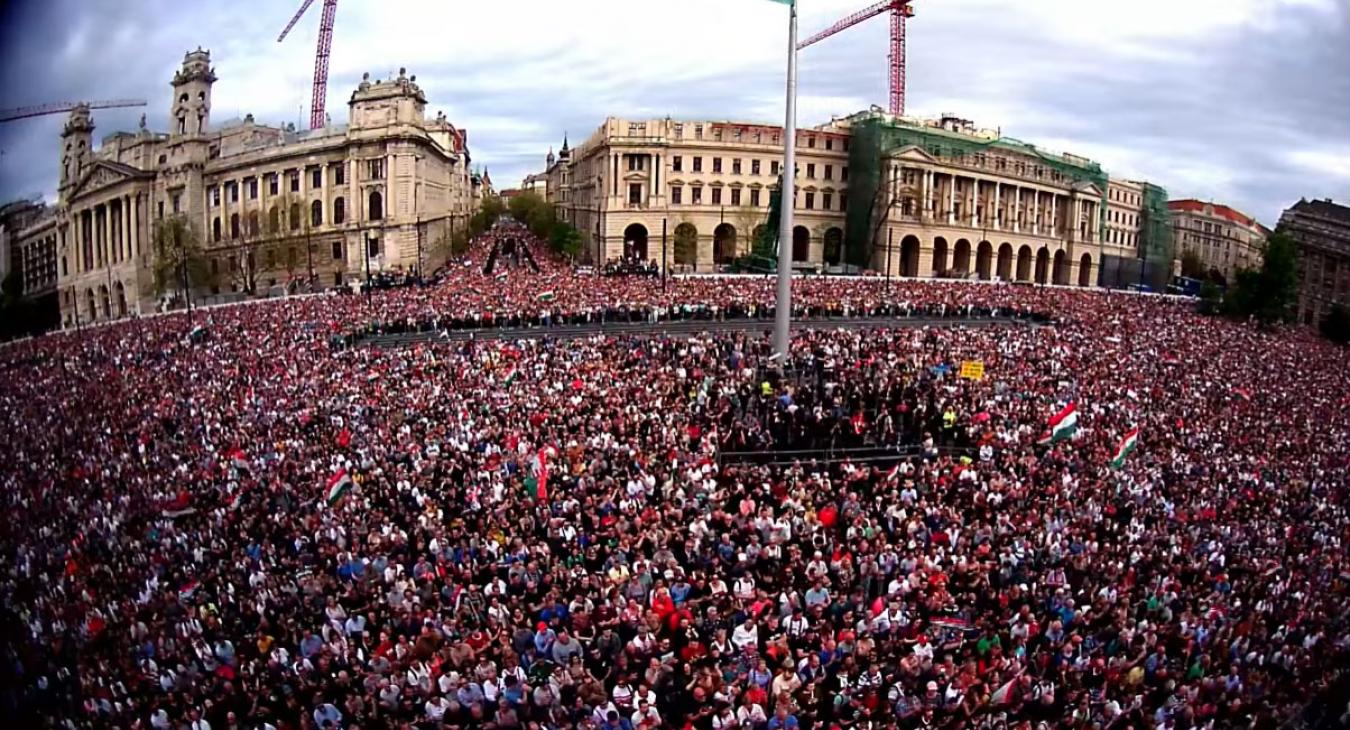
972 369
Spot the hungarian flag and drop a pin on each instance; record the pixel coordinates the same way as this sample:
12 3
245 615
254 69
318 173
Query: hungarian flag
344 438
238 459
500 277
188 590
547 296
509 376
1243 393
338 486
1062 426
537 484
1124 448
859 423
893 474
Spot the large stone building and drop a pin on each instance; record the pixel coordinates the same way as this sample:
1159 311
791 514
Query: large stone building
1321 231
913 197
273 207
1224 239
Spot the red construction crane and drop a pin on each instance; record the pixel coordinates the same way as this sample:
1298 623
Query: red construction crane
900 11
320 94
24 112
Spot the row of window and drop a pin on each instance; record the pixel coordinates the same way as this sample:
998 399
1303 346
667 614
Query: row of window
696 197
338 175
677 165
374 212
738 134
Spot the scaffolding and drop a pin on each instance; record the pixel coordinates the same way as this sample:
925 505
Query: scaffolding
1156 249
876 136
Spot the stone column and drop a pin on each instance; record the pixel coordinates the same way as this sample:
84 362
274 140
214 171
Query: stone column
106 248
998 206
1036 212
951 199
975 202
1054 216
1017 210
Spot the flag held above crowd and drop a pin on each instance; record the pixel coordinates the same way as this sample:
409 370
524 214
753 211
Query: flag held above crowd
1062 426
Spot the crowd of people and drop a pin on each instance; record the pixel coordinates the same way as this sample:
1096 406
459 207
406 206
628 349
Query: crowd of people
256 529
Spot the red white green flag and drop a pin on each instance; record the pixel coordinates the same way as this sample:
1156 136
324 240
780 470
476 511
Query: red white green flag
1062 426
338 486
1124 448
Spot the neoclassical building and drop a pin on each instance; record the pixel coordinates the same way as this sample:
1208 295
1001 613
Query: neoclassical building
914 197
273 207
1225 240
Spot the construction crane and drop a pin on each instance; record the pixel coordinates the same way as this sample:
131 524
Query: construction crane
900 11
40 110
320 94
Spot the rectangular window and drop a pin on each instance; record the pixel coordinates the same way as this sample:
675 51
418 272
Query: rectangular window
735 196
372 247
339 174
717 133
754 197
677 163
679 131
843 204
717 165
635 194
810 171
215 196
829 172
376 169
698 131
829 145
161 209
272 184
295 181
316 178
736 166
234 191
717 196
676 195
826 201
697 196
177 203
810 201
698 164
811 142
635 162
843 174
754 167
253 188
774 167
337 250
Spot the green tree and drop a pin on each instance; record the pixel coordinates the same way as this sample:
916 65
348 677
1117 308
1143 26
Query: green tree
1268 293
179 263
1335 326
1192 266
565 239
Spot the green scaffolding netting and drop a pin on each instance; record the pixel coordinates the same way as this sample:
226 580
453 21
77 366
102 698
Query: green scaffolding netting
875 136
1156 238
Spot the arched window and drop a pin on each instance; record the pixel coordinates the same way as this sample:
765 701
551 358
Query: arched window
215 229
253 228
295 216
339 211
316 213
376 206
234 225
273 220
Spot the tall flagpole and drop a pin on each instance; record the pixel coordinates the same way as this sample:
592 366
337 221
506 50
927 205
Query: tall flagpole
783 312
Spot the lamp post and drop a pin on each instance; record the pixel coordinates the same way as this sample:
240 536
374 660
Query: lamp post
783 310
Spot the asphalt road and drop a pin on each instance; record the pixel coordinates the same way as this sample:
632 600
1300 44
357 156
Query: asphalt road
680 328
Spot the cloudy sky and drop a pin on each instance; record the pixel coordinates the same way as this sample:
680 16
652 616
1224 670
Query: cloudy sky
1245 102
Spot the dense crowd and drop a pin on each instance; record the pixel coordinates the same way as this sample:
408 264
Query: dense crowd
256 529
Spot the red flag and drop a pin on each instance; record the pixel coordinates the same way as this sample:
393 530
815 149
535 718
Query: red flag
344 438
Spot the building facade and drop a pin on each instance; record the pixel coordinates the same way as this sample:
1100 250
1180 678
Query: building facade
273 208
919 198
1321 232
1224 239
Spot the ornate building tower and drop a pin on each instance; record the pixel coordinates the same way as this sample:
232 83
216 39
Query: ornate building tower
77 147
191 109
